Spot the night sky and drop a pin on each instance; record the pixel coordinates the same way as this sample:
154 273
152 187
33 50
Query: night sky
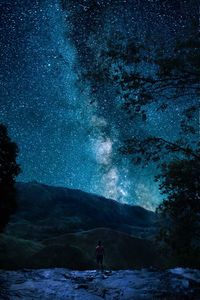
65 140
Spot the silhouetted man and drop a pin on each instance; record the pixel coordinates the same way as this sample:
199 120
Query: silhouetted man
100 253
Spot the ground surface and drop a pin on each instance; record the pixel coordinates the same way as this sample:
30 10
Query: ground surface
92 285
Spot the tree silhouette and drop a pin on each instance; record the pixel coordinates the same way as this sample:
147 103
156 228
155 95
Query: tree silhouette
9 169
180 211
145 72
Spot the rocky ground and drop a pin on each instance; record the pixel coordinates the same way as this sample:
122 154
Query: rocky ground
134 285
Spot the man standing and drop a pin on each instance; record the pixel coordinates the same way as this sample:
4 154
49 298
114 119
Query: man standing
100 253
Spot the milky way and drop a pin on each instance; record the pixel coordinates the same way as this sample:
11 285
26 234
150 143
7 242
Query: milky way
63 138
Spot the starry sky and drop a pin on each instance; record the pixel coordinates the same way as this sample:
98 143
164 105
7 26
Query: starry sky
64 140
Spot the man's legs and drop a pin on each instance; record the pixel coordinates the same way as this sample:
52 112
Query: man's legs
101 263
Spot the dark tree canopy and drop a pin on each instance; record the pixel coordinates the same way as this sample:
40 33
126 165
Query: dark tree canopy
148 71
9 169
180 210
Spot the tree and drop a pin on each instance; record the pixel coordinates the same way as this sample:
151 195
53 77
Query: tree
147 72
180 211
9 169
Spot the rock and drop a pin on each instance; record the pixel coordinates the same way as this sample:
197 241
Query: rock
82 286
55 284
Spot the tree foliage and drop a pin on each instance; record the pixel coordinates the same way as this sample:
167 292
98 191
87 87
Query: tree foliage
9 169
180 211
144 72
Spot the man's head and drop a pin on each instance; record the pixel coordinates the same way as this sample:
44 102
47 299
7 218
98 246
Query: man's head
99 243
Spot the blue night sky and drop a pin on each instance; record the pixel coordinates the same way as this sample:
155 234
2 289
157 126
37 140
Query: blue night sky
64 139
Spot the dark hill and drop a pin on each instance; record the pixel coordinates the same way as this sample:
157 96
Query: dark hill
46 211
76 251
122 250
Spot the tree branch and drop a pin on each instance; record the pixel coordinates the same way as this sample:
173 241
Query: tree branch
186 150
